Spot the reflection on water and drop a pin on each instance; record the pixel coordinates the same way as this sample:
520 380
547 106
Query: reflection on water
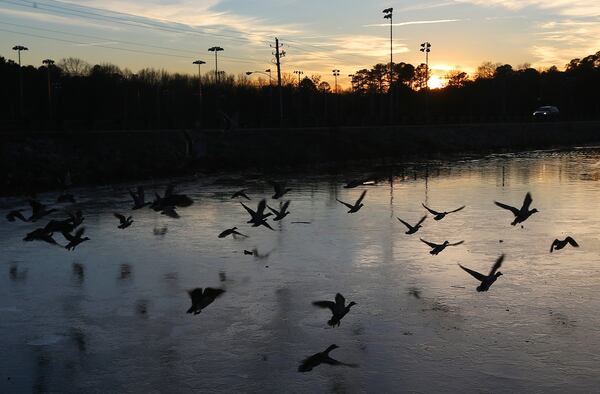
110 315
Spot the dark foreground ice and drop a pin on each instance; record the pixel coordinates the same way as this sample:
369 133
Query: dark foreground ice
110 316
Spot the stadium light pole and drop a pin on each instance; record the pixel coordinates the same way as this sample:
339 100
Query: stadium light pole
20 48
216 50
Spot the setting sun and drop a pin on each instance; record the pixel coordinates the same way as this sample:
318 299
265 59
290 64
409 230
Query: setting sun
435 82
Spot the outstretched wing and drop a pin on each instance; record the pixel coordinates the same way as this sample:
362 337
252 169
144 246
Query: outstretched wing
350 206
458 209
527 201
362 196
457 243
497 264
430 210
514 210
404 223
325 304
572 242
474 274
430 244
120 217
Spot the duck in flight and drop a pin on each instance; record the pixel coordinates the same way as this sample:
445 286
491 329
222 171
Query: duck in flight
139 198
321 358
282 212
280 190
16 214
202 299
437 248
231 231
415 228
240 193
357 205
75 239
258 217
339 309
558 244
124 221
486 281
441 215
521 214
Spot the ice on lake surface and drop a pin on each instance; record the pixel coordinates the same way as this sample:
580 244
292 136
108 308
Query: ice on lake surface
110 316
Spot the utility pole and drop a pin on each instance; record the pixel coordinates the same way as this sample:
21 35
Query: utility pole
426 47
299 73
388 14
20 48
199 63
278 55
336 73
49 63
216 50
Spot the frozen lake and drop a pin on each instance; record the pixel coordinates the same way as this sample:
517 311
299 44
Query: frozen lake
110 316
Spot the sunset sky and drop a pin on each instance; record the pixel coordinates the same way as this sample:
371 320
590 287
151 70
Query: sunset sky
318 36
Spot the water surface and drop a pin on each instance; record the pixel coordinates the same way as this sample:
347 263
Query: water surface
110 316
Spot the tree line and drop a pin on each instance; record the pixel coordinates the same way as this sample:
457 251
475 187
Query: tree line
74 95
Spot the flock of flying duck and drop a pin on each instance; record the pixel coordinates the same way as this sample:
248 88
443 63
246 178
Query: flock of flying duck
201 298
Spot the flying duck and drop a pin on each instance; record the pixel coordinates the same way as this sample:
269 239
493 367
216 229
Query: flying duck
437 248
280 190
415 228
520 214
441 215
124 221
339 309
486 281
321 358
558 244
202 299
357 205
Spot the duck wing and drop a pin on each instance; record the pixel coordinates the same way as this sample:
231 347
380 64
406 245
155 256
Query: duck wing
514 210
572 242
458 209
497 264
325 304
430 244
474 274
404 223
431 211
527 201
362 196
350 206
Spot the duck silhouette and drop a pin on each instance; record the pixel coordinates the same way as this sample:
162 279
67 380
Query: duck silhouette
241 193
282 212
558 244
231 231
486 281
321 358
16 214
280 190
124 221
438 248
339 309
201 299
415 228
521 214
441 215
139 198
75 239
357 205
39 210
